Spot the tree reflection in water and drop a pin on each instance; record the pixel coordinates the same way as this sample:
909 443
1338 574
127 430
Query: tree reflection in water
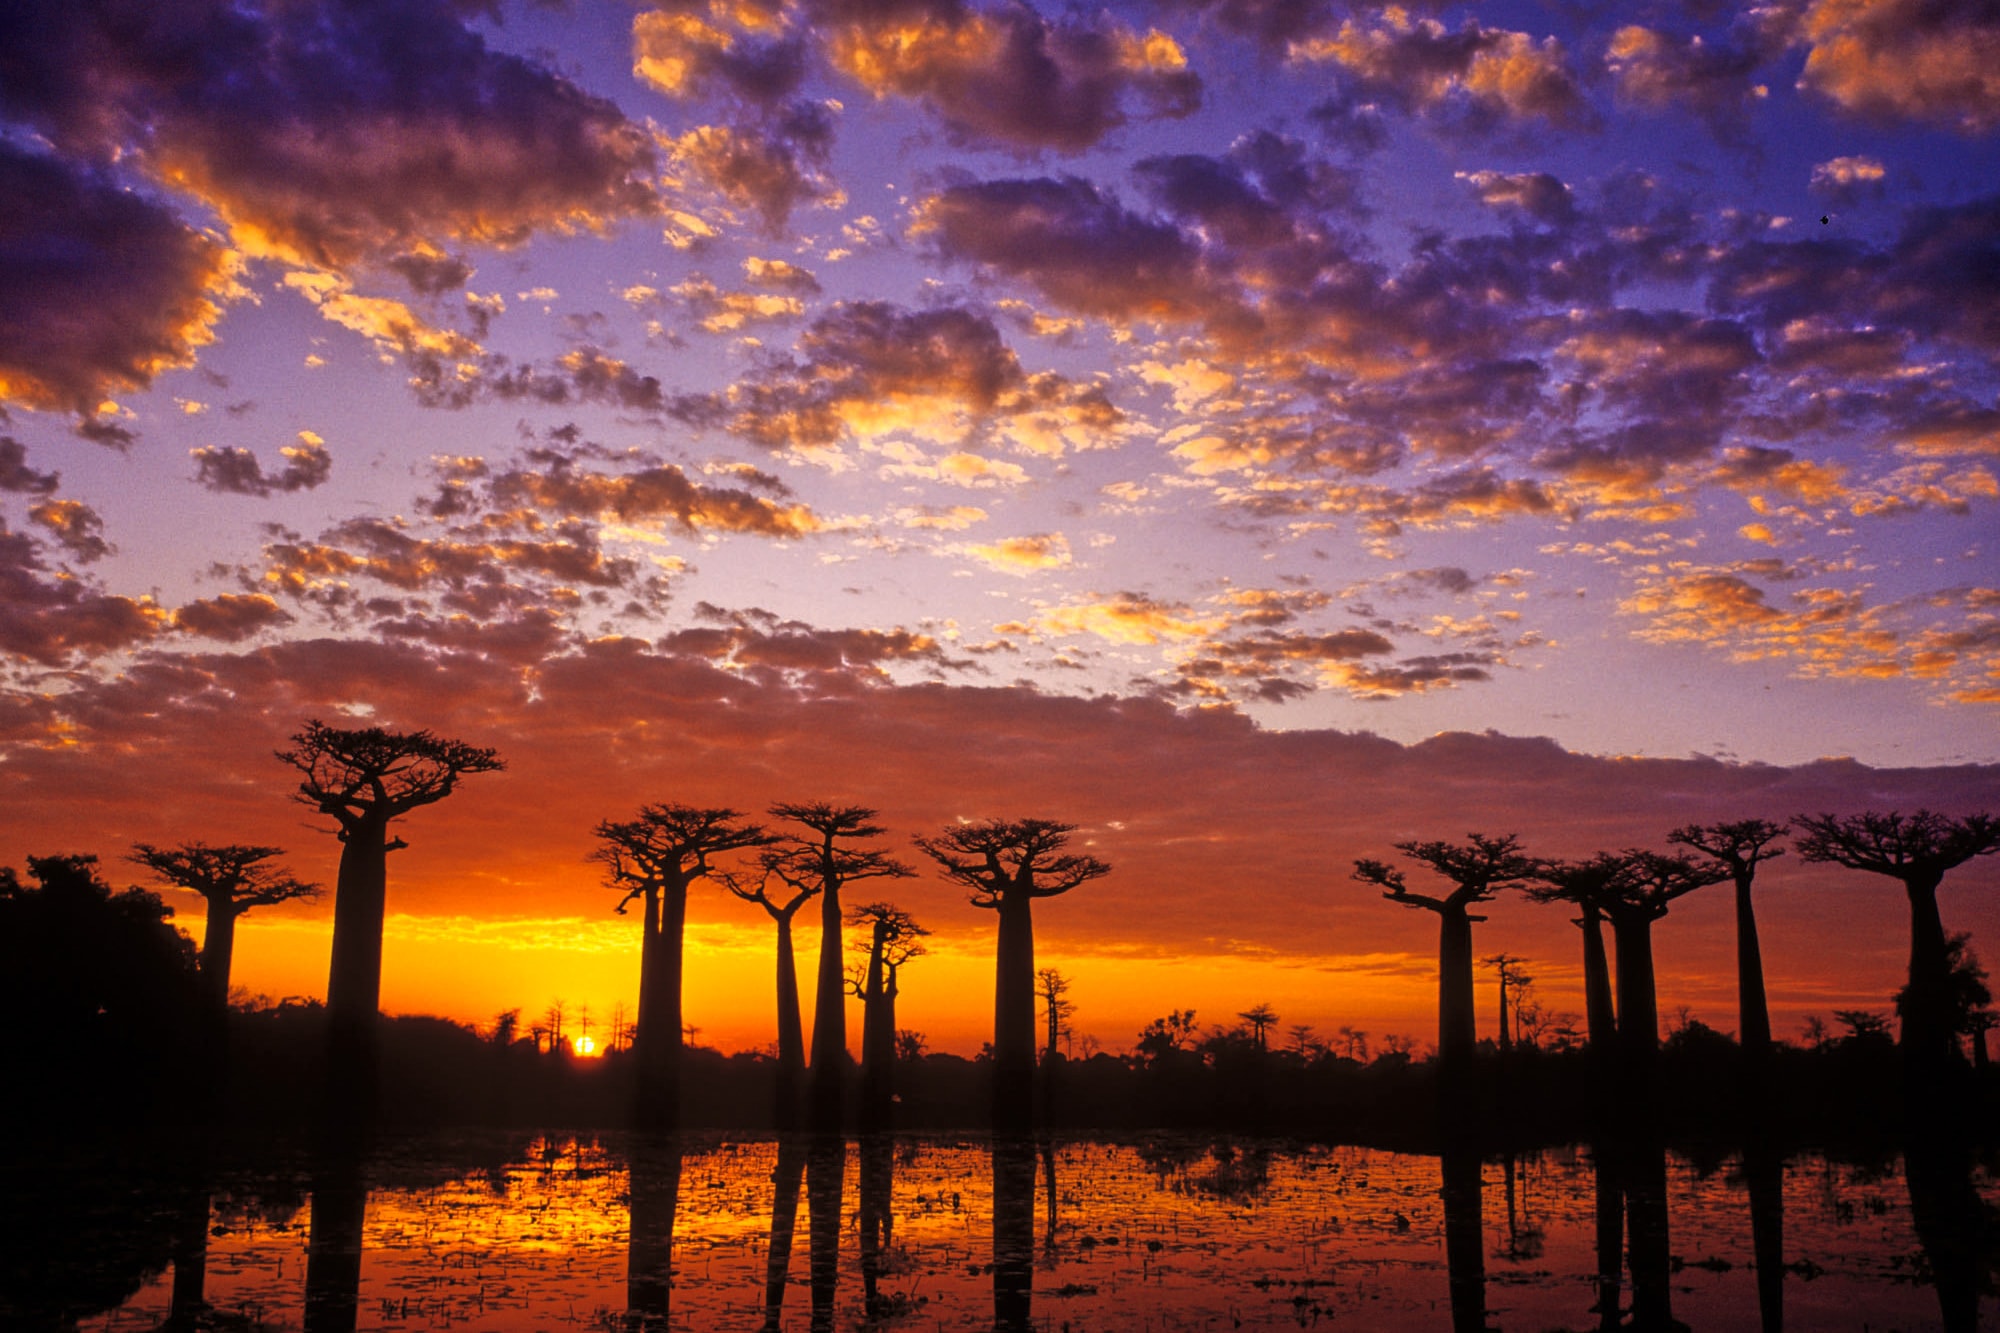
826 1177
787 1180
878 1175
1464 1243
654 1185
1013 1234
1172 1231
333 1251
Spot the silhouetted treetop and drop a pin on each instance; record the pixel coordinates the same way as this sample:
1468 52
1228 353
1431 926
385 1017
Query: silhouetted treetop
999 857
1654 879
1922 846
1584 882
808 863
669 845
1477 869
233 876
900 934
1739 844
350 774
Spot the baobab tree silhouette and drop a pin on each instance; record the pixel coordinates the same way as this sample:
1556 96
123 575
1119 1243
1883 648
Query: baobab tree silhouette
1477 870
791 1031
365 778
1507 968
1633 901
1261 1018
656 858
232 879
1008 864
1052 989
1741 847
1585 884
894 938
825 861
1915 850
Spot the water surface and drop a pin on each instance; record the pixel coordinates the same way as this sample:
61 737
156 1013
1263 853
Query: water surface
714 1233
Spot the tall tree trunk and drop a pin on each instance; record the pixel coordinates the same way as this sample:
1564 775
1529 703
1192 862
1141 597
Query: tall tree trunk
218 946
829 1044
1602 1017
1927 1037
1014 1017
660 1056
648 1031
791 1032
878 1048
354 978
1457 1026
1752 1012
1506 1040
354 981
1638 1007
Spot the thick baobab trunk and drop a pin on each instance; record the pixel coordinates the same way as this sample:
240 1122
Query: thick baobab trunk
1927 1037
1638 1007
218 946
660 1039
1506 1039
1014 1017
1601 1015
791 1032
1457 1026
829 1046
1753 1014
878 1047
354 982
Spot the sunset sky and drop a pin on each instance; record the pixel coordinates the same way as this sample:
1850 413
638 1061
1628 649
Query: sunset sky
1256 431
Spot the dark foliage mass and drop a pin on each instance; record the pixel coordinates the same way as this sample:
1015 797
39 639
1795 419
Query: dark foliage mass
104 988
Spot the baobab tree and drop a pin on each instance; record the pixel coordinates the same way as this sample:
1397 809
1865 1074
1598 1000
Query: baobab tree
232 880
1051 987
791 1031
1585 884
1261 1018
825 860
366 778
1508 969
894 938
656 858
1741 847
1477 870
1633 901
1915 850
1008 864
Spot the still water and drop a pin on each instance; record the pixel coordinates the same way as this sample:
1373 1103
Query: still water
714 1233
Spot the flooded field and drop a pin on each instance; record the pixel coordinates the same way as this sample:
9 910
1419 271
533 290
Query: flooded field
712 1233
